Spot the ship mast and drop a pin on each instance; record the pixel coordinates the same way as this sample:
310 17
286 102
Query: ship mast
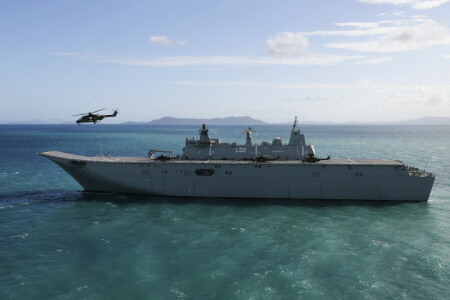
204 138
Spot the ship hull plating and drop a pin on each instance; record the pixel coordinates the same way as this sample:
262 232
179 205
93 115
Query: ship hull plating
334 179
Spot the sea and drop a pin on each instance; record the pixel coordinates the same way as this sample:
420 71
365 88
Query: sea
58 242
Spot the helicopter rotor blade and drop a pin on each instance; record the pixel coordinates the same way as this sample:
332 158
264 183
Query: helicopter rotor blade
91 112
97 110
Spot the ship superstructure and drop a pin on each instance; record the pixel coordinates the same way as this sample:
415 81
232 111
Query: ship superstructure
208 148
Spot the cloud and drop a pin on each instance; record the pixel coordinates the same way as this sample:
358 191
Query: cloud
415 4
418 95
353 32
428 4
404 38
364 25
365 94
386 95
241 83
165 40
161 39
367 28
358 24
286 44
395 13
359 84
185 61
312 99
375 61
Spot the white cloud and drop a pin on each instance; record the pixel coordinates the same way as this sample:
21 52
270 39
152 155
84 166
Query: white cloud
364 25
312 99
287 44
355 32
419 95
429 4
358 24
404 38
375 61
165 40
415 4
359 84
401 98
368 28
320 99
183 61
241 83
161 39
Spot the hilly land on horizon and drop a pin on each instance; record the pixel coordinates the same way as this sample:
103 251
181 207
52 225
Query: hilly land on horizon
246 120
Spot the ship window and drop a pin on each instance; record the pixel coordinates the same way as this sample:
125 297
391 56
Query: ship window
204 172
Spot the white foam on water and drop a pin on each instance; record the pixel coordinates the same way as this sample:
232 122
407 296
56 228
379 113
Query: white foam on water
178 293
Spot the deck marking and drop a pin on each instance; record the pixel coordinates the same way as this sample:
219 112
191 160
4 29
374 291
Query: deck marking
352 161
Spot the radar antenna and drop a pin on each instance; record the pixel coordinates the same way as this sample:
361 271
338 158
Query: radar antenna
295 123
249 135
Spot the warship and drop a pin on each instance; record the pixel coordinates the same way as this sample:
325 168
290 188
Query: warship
209 167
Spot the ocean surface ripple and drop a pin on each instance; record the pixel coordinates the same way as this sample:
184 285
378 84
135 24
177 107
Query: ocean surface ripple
59 242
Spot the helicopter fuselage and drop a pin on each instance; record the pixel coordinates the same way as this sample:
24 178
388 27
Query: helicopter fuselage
94 118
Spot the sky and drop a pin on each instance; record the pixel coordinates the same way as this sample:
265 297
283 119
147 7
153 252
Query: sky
322 60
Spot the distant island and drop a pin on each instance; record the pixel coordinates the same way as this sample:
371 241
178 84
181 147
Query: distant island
191 121
246 120
250 121
428 120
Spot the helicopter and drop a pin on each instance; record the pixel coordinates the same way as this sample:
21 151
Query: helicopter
91 117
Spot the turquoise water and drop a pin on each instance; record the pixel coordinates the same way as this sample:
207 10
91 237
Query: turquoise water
57 242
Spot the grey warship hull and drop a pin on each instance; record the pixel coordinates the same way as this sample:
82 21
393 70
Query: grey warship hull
337 179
